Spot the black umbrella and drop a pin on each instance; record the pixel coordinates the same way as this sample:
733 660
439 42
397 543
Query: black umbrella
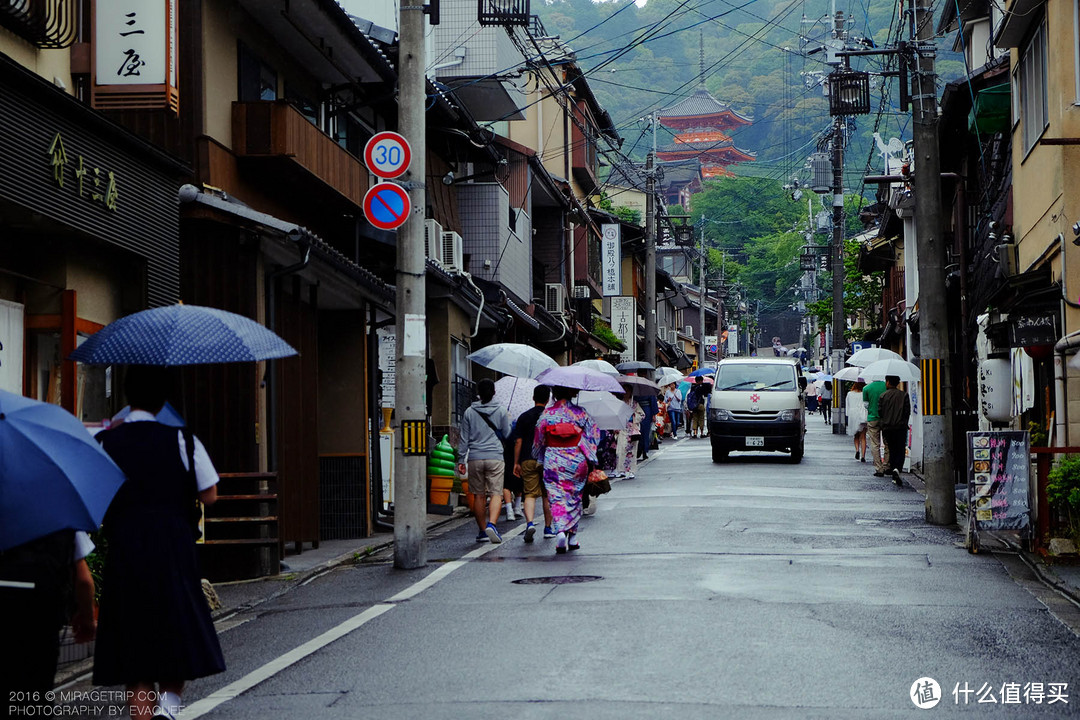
633 366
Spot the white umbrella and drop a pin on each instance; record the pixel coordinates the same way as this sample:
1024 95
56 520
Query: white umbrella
864 357
851 374
901 368
513 359
670 377
606 410
600 366
665 369
515 394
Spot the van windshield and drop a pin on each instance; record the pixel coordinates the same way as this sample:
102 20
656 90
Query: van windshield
749 377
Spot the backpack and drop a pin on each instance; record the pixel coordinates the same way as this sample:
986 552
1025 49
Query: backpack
692 400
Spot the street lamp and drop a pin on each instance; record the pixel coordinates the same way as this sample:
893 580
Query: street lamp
849 92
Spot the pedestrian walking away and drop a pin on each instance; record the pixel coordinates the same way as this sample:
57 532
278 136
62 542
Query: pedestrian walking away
674 401
871 394
811 397
565 444
695 404
526 468
894 410
154 625
650 405
825 400
484 427
631 435
856 417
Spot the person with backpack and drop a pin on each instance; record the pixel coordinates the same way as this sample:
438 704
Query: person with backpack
695 404
484 428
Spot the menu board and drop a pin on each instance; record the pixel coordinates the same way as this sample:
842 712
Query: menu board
999 470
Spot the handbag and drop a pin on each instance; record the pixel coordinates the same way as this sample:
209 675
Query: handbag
597 483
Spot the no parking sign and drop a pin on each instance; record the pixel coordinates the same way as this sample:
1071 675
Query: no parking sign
387 206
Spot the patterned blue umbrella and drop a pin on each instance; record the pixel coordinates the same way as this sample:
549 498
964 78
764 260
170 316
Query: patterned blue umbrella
53 474
181 335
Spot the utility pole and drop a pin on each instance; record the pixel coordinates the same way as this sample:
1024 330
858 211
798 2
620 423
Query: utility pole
933 324
410 497
839 344
701 309
650 251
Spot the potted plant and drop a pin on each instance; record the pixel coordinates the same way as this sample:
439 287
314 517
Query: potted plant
1063 492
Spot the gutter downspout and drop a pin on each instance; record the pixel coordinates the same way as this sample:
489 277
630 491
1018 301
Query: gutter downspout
1066 343
301 237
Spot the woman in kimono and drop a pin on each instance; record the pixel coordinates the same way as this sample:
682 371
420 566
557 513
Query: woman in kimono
632 434
565 445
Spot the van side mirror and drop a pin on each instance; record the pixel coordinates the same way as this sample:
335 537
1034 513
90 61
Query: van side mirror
802 383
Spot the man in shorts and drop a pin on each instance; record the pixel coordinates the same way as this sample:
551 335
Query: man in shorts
530 471
484 427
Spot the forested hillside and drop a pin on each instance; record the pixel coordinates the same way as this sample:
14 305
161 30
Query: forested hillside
757 58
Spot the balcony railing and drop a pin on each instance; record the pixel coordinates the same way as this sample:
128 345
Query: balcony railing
503 12
275 129
44 23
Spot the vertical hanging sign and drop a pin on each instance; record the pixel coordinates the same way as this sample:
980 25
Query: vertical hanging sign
611 258
135 58
624 325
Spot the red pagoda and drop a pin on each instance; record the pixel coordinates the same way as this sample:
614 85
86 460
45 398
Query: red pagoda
701 123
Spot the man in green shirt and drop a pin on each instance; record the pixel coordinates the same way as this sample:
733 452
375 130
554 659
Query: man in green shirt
871 393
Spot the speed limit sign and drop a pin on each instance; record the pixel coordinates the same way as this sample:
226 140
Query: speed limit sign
387 154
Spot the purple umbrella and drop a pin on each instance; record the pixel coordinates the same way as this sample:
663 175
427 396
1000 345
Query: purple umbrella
579 378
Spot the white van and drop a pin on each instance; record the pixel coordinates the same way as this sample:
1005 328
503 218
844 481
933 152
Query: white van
757 404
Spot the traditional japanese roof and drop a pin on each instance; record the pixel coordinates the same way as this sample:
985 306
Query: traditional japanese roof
701 110
717 153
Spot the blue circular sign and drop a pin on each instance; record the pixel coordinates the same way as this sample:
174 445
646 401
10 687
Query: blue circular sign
387 206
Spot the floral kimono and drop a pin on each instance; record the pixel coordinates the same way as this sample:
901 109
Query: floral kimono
565 442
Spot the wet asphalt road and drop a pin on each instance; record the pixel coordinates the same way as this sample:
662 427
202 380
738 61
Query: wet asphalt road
753 589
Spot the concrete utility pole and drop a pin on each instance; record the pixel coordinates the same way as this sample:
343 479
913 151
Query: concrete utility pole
933 323
839 343
701 309
410 497
650 251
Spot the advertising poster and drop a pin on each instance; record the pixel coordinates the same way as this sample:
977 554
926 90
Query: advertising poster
999 472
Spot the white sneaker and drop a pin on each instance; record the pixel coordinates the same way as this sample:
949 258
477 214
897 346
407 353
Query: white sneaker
510 512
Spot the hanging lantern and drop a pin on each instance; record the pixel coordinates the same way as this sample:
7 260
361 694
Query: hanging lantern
849 92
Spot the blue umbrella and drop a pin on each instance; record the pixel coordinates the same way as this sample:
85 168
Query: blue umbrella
703 371
53 474
182 335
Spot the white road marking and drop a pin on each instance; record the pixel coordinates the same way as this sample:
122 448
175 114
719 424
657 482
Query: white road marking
275 666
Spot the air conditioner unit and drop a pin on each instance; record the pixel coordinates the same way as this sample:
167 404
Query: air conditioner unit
664 334
674 336
432 238
1006 255
581 292
689 330
451 252
554 297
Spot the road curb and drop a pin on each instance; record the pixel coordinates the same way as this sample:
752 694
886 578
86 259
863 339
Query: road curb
1033 561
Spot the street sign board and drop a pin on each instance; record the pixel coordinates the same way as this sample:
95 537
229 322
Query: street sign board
387 154
387 206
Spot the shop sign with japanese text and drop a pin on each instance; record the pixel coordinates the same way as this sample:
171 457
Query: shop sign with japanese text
999 470
87 180
611 258
624 324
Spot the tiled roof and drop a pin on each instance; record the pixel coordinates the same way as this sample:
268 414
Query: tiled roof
700 103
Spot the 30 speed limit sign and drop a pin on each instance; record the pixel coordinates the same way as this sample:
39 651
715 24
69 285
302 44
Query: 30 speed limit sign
387 155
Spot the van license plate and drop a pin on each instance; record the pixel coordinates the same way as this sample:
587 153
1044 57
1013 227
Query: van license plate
755 442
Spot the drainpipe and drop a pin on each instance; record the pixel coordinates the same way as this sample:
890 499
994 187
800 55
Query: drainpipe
1063 346
480 311
302 237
